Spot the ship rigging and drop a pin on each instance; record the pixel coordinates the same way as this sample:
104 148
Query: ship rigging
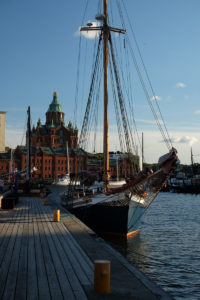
118 210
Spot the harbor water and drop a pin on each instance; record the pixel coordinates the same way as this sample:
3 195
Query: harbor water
167 248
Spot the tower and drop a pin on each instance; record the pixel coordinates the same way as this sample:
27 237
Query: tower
55 115
2 130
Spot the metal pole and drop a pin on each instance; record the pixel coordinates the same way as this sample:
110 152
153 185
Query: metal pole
142 150
68 167
106 144
28 145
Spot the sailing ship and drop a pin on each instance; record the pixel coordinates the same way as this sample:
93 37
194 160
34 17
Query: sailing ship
116 210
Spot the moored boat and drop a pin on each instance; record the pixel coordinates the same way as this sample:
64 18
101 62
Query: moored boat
116 209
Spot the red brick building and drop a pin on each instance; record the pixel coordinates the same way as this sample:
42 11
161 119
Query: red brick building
49 144
51 162
5 162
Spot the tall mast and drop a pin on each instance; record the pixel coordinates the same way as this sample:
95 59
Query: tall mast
105 59
28 145
192 162
11 160
105 30
142 150
68 167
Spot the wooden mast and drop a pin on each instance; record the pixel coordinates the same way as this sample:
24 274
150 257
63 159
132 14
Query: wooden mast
105 58
28 145
192 163
105 29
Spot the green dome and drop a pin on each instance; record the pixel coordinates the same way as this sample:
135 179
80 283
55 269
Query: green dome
55 105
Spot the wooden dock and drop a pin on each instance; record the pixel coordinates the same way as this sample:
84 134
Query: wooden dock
42 259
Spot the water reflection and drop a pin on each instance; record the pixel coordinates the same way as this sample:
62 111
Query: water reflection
167 248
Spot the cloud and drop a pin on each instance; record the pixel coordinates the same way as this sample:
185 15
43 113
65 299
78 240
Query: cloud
180 85
149 121
197 112
190 140
90 34
157 98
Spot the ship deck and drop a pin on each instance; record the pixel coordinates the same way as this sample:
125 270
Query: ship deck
43 259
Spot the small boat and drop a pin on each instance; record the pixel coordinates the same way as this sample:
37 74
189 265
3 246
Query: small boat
65 181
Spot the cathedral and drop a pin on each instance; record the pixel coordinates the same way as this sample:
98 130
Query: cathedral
54 147
54 133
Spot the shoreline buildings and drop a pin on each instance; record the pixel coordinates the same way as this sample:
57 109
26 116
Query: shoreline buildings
54 150
54 147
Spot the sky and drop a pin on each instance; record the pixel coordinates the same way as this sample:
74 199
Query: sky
39 53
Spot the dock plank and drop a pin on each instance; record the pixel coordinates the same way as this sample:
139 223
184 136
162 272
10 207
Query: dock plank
21 285
32 284
43 259
42 279
54 285
6 249
56 229
12 262
55 257
82 266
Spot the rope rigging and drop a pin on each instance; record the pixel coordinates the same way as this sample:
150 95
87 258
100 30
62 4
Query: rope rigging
95 107
119 126
124 114
116 71
93 113
78 70
84 128
128 90
164 132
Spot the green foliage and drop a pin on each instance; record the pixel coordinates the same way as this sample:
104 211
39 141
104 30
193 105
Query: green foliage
189 170
153 167
7 149
97 156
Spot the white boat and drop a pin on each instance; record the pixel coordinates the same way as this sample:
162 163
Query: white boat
65 181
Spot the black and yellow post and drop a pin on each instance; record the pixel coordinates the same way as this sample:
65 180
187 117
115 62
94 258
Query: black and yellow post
102 276
56 215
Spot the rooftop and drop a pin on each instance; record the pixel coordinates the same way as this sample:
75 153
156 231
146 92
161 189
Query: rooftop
55 105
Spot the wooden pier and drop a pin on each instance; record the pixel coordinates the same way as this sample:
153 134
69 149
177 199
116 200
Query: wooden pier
43 259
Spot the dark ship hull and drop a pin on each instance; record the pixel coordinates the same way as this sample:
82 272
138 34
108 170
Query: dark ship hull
113 217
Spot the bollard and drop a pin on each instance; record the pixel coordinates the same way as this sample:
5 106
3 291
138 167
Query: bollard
56 215
102 276
46 201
